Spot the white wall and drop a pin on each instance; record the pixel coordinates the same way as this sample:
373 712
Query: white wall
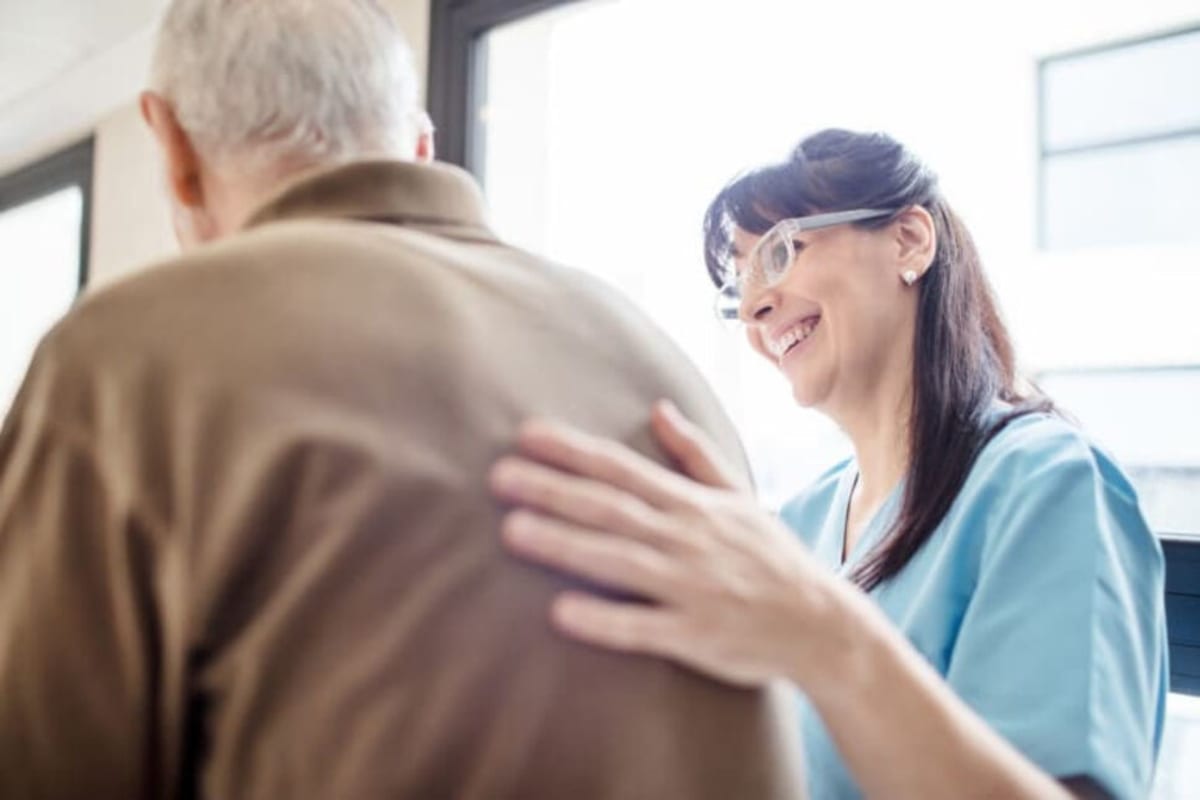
130 220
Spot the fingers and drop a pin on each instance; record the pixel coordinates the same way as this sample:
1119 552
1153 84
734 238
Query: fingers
580 501
645 630
696 453
609 560
625 627
604 460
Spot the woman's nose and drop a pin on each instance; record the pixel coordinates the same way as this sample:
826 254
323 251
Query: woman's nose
757 305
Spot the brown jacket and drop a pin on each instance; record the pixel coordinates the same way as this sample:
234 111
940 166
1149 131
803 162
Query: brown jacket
247 550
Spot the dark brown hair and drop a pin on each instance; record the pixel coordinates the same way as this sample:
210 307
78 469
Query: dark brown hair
962 355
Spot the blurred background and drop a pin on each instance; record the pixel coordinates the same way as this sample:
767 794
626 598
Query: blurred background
1066 134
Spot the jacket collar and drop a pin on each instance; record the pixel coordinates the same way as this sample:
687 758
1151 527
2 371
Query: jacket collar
398 192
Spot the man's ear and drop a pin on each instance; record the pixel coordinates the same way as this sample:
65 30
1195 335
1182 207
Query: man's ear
915 239
179 156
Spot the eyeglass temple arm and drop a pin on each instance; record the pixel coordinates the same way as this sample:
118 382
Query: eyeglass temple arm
839 217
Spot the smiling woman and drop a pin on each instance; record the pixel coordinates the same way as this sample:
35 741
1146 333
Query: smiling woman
974 599
854 277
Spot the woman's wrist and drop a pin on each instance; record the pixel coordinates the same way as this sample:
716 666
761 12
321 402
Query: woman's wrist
849 648
891 716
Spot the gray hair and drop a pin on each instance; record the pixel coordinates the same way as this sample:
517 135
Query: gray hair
272 82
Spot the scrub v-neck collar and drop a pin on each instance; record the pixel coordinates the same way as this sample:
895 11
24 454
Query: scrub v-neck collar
876 526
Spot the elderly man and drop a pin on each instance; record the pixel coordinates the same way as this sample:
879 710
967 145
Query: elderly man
246 544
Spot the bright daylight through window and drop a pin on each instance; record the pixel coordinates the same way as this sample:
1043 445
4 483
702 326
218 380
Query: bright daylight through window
39 275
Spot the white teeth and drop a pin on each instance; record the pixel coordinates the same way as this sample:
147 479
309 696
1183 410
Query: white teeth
793 336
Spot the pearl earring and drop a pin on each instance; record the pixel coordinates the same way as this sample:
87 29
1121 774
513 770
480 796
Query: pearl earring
909 277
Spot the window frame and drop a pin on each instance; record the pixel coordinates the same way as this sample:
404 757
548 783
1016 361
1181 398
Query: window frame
72 166
458 74
1183 612
1045 153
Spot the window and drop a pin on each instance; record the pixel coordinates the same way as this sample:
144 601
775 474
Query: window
457 67
43 254
1143 417
1120 143
578 163
1179 768
1120 156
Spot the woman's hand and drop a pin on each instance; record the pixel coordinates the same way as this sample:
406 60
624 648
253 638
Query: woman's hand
732 592
735 595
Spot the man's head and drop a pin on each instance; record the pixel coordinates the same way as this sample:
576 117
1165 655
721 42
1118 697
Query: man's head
247 94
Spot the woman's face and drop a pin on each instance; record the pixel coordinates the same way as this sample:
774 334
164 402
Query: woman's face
841 320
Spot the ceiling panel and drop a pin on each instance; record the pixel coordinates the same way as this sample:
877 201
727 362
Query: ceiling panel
39 41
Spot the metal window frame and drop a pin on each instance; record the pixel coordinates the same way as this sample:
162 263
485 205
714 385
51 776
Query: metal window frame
69 167
1183 612
1045 153
457 70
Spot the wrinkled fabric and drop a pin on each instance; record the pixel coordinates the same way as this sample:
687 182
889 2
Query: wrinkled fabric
247 548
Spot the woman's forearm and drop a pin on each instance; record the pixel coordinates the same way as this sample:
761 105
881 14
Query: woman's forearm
901 730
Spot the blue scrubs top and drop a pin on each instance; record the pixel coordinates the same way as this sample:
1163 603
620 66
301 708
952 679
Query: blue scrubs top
1038 599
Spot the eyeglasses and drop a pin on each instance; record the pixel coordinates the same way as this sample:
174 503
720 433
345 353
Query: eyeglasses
775 252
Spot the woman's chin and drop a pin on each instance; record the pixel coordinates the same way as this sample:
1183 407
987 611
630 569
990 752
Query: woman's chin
805 393
809 386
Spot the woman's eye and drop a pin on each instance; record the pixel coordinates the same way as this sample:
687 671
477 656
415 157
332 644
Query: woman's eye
797 245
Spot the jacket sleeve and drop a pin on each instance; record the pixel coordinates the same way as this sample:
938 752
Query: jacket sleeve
76 626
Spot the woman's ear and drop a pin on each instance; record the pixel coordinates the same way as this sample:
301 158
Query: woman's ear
915 241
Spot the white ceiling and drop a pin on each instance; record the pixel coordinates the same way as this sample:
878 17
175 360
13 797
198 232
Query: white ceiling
42 39
63 62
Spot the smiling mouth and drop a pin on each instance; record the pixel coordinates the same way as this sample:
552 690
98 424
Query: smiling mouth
794 337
